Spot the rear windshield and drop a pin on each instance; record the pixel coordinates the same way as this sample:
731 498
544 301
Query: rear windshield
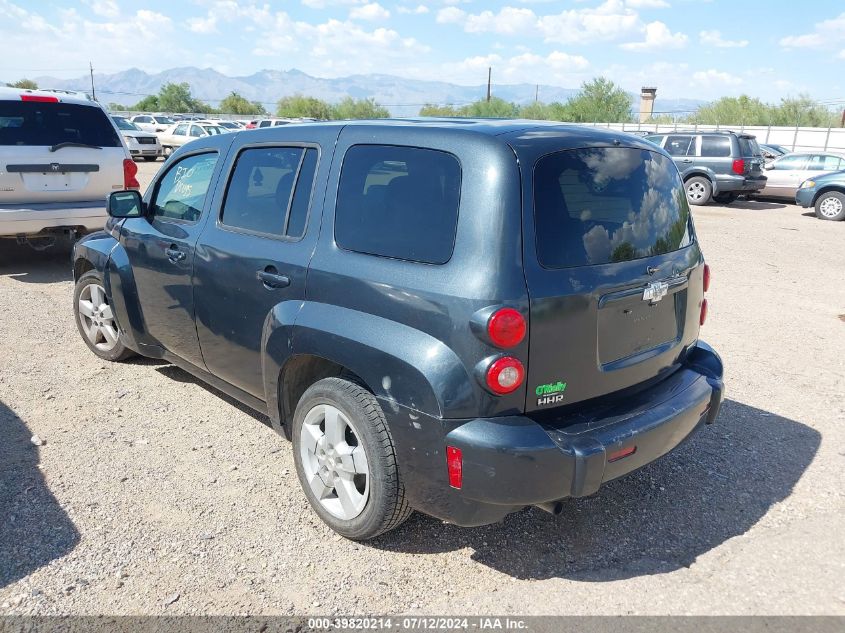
47 124
748 146
600 205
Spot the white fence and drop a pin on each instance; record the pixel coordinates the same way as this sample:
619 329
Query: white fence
796 139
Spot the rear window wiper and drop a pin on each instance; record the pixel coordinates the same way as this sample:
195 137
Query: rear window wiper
59 146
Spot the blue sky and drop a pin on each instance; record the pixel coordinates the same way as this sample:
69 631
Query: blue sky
696 49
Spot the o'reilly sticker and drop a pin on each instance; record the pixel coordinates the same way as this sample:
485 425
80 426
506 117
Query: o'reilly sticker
550 394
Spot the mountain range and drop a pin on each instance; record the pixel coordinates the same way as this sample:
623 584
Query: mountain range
401 95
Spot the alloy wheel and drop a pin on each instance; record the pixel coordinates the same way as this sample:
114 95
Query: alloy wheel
97 317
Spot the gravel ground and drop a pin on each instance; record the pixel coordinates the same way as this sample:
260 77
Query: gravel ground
153 493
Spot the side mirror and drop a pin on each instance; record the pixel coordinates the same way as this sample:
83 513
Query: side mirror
125 204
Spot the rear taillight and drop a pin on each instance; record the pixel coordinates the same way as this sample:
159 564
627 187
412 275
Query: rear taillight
738 166
505 375
705 283
455 466
703 316
130 170
506 328
40 98
706 277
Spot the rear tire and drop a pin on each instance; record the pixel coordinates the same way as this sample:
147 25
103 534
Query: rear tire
346 461
150 159
831 206
93 312
698 190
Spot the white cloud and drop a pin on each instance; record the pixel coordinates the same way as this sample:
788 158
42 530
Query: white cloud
826 34
608 21
657 37
105 8
647 4
713 77
556 68
371 12
418 10
714 38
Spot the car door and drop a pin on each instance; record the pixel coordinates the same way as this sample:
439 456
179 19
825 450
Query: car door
682 148
715 153
784 175
256 250
820 164
160 248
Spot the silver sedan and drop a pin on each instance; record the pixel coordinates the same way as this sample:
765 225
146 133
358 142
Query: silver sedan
786 173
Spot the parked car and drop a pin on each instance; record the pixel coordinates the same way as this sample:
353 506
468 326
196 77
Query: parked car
141 144
232 126
60 156
183 132
417 358
826 193
718 165
785 174
152 122
273 122
770 152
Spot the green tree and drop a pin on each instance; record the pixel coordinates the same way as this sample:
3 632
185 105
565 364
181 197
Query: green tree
27 84
803 111
236 104
118 107
742 110
430 109
537 110
147 104
496 107
599 100
177 98
350 108
299 106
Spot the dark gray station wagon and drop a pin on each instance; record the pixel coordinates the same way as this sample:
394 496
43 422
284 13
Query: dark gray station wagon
459 317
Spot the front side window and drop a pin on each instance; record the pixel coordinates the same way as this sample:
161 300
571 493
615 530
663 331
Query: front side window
601 205
793 161
181 130
270 191
196 131
399 202
678 145
180 194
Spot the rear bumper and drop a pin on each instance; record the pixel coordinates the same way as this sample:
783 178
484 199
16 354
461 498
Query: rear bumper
512 462
24 219
738 184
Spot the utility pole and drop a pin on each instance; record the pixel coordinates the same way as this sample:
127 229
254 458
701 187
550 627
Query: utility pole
489 80
537 93
93 94
842 122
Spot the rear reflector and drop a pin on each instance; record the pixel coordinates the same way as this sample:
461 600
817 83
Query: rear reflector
706 277
738 166
703 317
130 170
41 98
622 453
455 465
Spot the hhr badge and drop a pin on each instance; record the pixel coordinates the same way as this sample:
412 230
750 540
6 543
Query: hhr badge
655 291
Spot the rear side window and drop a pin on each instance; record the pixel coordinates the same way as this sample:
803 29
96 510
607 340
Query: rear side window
825 162
181 130
399 202
657 140
36 123
270 191
601 205
715 146
748 146
680 145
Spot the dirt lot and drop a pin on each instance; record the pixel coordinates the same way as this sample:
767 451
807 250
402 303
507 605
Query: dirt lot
156 494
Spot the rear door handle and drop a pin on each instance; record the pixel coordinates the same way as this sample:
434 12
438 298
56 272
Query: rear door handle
686 160
174 254
271 278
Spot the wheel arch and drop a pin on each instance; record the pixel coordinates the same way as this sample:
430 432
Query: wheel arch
828 189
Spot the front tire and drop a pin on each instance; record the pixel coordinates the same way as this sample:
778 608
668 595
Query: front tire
831 206
698 190
346 460
95 319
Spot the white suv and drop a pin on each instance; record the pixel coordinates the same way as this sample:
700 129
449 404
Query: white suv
60 156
